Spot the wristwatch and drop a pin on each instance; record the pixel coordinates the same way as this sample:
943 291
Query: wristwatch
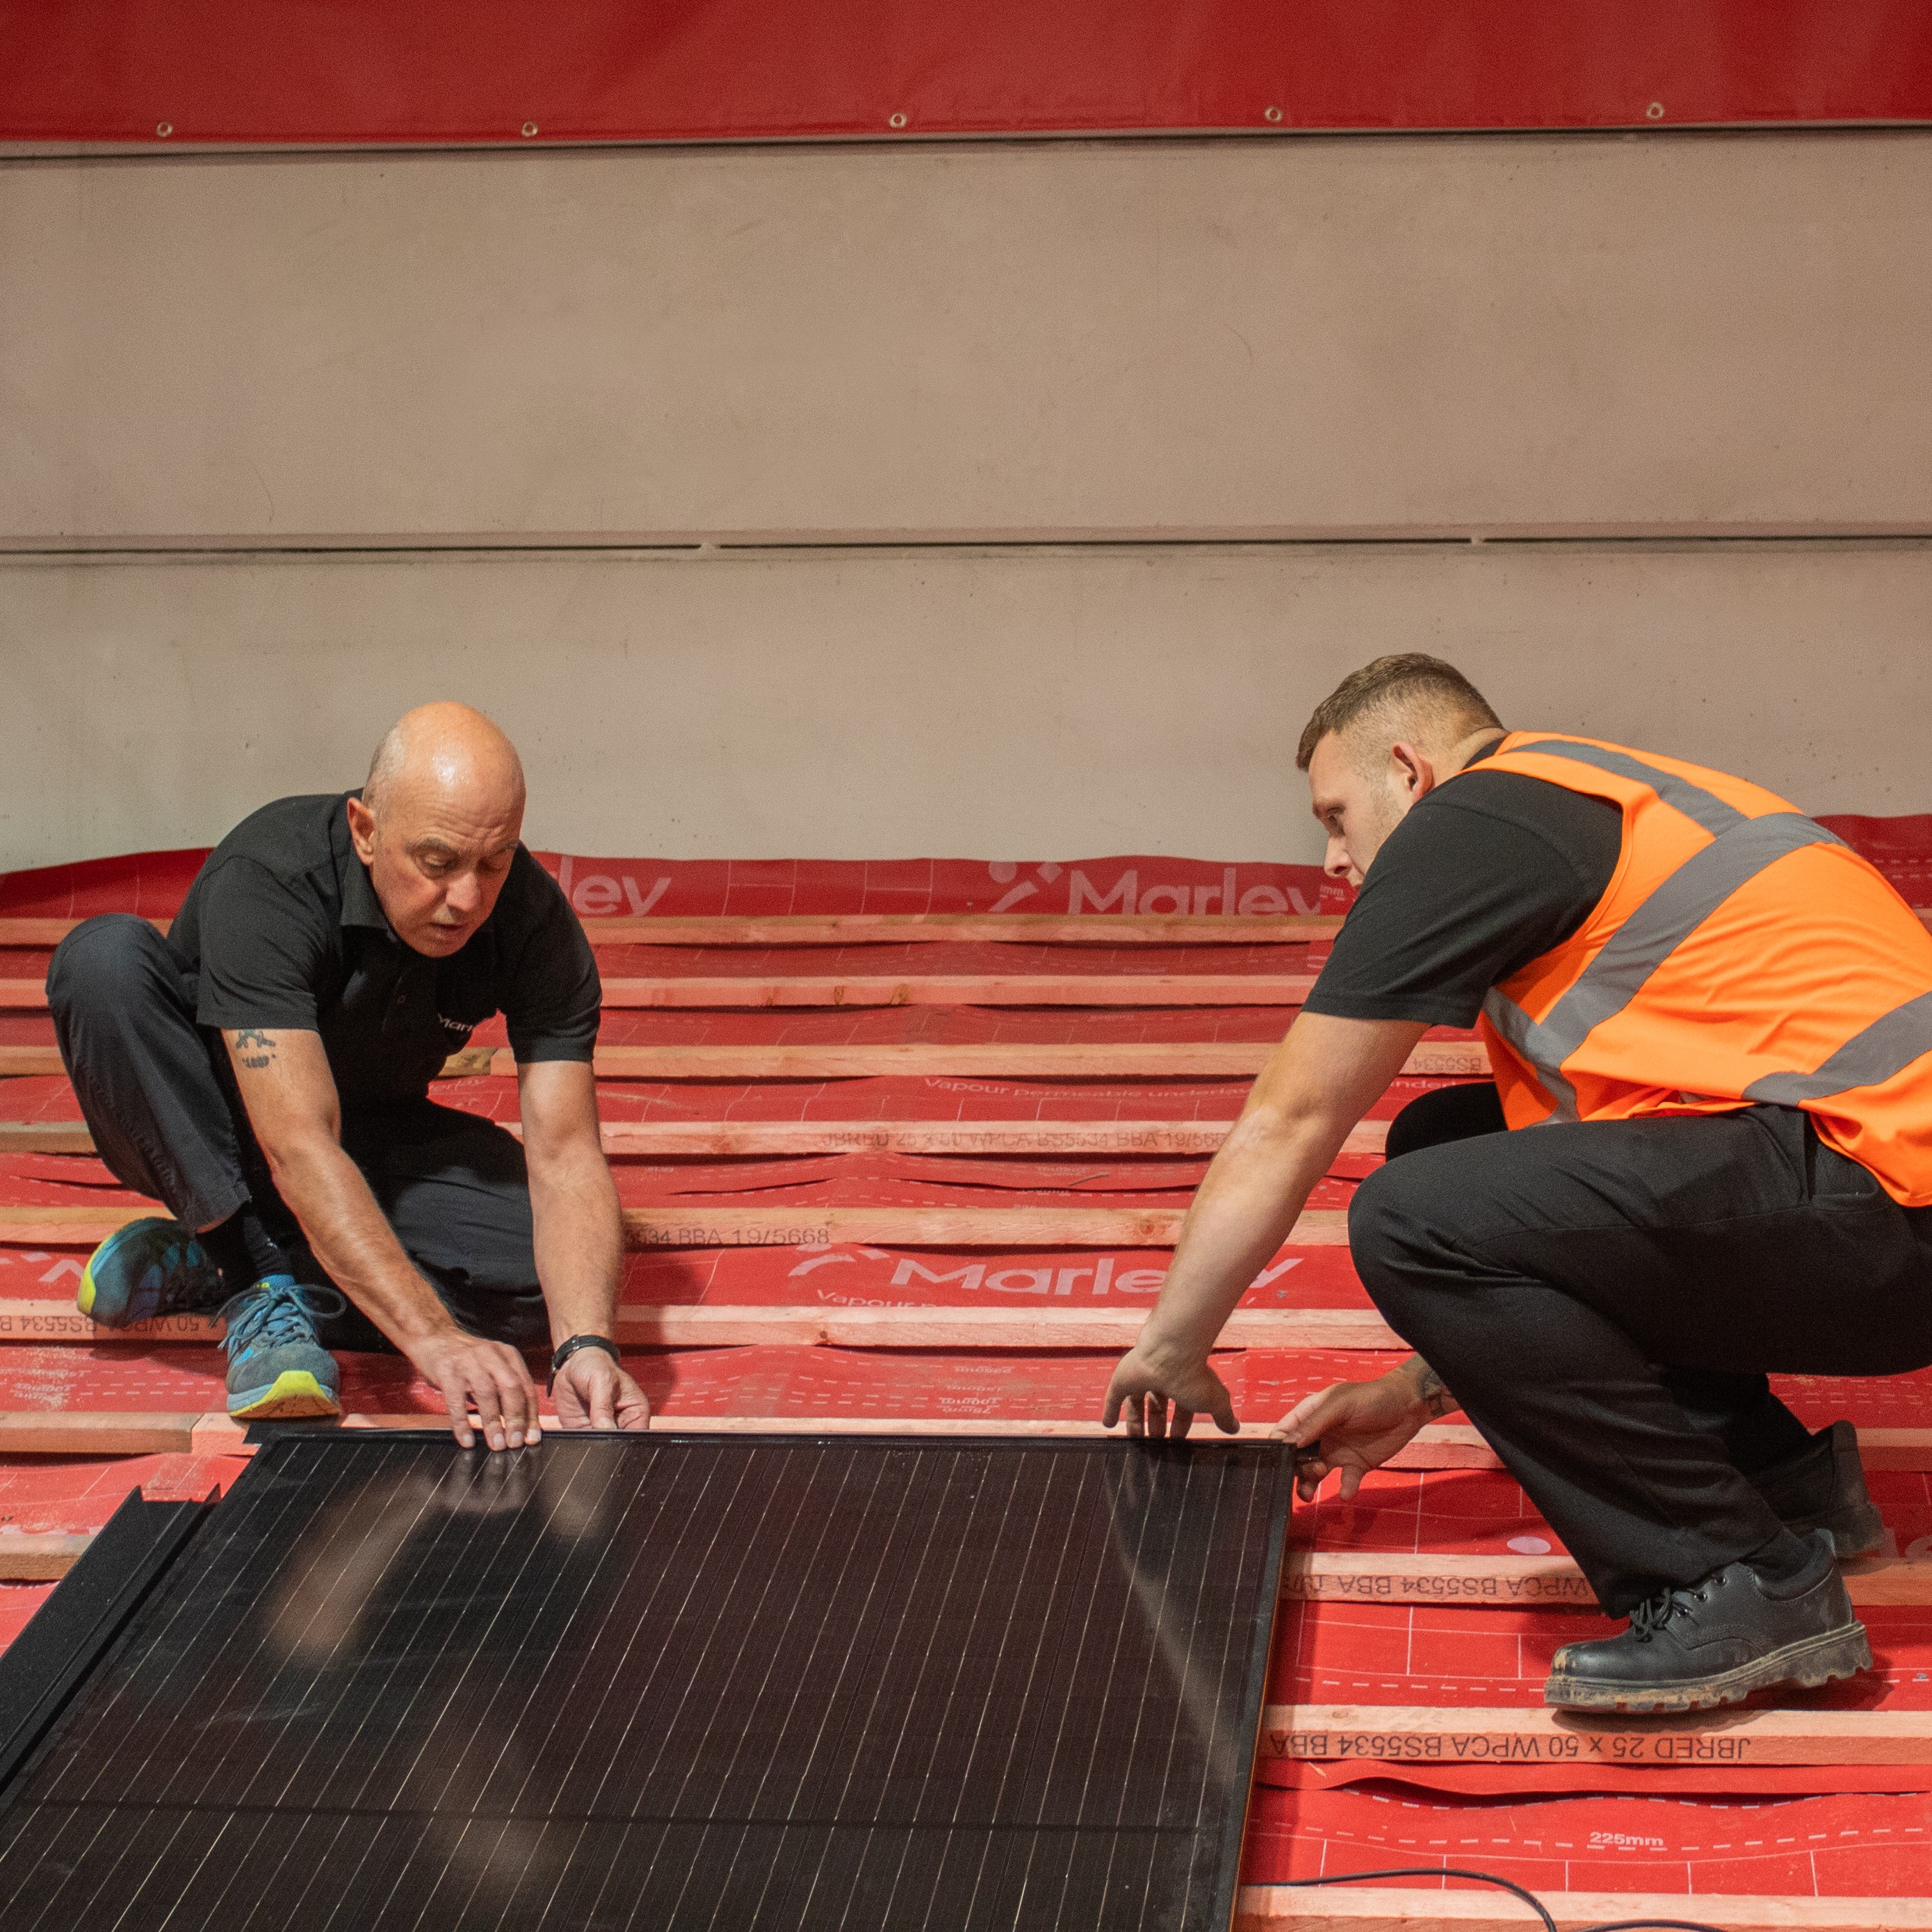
565 1349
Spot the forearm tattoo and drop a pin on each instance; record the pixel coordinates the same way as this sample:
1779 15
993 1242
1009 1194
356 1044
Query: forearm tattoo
1432 1391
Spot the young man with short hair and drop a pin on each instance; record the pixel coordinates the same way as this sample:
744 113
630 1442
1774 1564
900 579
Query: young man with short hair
1707 1155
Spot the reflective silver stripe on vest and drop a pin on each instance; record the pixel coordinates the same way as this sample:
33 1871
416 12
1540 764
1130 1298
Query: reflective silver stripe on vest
1517 1027
1674 910
1886 1047
1705 808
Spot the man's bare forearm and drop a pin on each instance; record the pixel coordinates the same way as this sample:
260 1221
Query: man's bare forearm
1244 1209
580 1242
1316 1085
354 1242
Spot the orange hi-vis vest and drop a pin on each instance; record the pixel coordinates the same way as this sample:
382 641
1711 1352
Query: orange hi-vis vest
1741 954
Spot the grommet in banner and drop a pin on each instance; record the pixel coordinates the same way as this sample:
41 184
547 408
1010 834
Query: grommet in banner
897 121
530 128
1655 112
1270 113
165 128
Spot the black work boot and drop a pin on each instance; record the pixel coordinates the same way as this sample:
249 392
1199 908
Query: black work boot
1718 1641
1823 1487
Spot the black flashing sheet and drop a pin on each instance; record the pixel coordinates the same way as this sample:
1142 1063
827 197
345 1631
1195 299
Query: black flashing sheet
40 1668
673 1682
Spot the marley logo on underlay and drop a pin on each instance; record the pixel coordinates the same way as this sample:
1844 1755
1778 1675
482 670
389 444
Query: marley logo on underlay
606 888
599 894
881 1273
1124 892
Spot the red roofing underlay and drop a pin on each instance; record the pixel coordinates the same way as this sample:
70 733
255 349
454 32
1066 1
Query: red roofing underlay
1682 1830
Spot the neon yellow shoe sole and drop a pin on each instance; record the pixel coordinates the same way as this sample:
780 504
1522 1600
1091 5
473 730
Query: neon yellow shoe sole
293 1393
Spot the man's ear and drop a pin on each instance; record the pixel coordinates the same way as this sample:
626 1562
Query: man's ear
362 831
1415 770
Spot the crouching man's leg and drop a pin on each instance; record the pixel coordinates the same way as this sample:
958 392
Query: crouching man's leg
1544 1276
456 1188
1811 1480
156 1095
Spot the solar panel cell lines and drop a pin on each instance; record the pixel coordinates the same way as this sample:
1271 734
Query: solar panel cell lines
674 1683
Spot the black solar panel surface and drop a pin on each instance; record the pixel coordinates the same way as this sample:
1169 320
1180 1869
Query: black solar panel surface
675 1683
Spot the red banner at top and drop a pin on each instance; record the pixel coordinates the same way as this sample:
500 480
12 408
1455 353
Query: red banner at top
495 70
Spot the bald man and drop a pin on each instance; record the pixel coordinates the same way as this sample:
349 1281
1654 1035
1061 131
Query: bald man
264 1070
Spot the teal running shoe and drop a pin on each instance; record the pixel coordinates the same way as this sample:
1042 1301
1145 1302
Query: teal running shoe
148 1268
277 1368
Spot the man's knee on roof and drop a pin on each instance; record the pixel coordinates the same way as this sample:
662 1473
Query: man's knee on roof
1388 1225
100 960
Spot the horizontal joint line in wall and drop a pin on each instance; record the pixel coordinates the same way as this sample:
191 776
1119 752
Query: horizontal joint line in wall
652 544
181 148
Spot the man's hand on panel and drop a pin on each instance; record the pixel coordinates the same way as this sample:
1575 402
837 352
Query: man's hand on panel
593 1392
489 1378
1354 1427
1142 1388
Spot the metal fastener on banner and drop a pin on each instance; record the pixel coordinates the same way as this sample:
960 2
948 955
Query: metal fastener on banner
897 121
165 128
1270 113
1655 110
530 128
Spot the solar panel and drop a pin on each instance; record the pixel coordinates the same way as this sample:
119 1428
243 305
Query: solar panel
676 1682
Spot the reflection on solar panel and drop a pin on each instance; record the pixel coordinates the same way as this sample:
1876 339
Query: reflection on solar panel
667 1683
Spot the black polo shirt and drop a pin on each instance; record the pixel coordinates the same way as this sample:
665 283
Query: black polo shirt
283 928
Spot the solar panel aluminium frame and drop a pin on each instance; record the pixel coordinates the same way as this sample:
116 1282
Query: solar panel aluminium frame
432 1474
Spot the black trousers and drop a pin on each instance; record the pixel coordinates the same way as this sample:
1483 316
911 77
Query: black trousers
1604 1299
160 1096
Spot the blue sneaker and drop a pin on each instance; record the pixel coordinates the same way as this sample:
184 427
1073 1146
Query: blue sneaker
148 1268
277 1368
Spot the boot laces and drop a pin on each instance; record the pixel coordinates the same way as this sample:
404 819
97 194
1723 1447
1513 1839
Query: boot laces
274 1312
1651 1614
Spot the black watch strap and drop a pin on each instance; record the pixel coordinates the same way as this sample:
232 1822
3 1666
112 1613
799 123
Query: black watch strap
565 1349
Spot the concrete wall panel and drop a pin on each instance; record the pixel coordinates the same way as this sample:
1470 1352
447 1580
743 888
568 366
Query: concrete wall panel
1306 334
1035 705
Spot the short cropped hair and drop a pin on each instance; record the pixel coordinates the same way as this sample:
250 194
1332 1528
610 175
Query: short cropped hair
1408 680
383 766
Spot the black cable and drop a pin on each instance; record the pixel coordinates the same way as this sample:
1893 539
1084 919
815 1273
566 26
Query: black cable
1529 1898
